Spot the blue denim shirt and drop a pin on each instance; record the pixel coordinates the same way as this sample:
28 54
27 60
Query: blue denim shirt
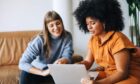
33 56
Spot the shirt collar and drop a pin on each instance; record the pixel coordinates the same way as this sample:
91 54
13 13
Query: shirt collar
106 38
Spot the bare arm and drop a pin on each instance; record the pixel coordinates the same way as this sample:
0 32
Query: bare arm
122 61
88 61
36 71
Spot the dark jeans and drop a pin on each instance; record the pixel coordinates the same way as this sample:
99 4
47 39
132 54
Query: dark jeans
28 78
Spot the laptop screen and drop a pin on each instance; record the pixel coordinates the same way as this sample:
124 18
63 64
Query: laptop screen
67 73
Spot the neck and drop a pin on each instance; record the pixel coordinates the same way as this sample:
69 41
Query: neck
55 37
101 36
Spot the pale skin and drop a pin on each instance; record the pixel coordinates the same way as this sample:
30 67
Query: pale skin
121 58
55 28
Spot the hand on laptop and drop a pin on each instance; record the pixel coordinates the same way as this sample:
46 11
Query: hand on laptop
61 61
87 80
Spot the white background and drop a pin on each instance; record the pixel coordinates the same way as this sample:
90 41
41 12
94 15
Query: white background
24 15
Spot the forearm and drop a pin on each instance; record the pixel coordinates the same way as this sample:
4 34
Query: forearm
116 77
86 63
36 71
39 72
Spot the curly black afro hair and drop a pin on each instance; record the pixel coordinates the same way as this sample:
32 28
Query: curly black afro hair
107 11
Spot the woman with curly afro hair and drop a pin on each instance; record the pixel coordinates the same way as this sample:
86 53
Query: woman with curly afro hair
108 46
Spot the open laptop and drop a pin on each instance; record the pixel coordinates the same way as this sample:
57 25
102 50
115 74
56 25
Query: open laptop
69 73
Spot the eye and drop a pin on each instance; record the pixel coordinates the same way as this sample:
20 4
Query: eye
58 23
90 23
93 22
50 25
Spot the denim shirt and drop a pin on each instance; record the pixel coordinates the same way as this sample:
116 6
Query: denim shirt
33 56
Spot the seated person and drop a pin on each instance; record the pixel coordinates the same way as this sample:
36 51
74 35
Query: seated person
52 45
108 46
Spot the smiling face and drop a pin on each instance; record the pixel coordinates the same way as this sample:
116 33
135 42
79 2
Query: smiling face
55 27
94 26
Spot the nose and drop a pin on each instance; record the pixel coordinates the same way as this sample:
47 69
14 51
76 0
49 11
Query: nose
89 26
55 27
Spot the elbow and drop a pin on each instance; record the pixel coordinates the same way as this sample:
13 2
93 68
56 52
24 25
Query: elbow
22 65
19 66
123 75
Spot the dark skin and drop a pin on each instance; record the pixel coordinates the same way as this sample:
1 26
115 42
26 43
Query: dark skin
122 58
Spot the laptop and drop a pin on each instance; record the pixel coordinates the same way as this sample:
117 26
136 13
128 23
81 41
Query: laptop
69 73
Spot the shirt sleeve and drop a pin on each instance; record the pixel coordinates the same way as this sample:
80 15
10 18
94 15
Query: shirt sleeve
121 42
31 52
68 48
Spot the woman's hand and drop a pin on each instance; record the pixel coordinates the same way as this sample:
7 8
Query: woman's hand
45 72
61 61
78 63
87 80
99 68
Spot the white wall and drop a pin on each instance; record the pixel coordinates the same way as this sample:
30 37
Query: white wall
64 8
80 38
124 7
18 15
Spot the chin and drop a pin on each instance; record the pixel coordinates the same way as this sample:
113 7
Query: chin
94 34
57 35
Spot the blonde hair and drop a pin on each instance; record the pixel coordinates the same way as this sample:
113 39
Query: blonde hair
50 16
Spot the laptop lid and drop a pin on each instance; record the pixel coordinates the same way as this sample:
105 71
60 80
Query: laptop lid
67 73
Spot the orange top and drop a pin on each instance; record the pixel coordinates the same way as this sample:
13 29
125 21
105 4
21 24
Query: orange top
103 52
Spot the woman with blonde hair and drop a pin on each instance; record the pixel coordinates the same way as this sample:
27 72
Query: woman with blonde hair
52 46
